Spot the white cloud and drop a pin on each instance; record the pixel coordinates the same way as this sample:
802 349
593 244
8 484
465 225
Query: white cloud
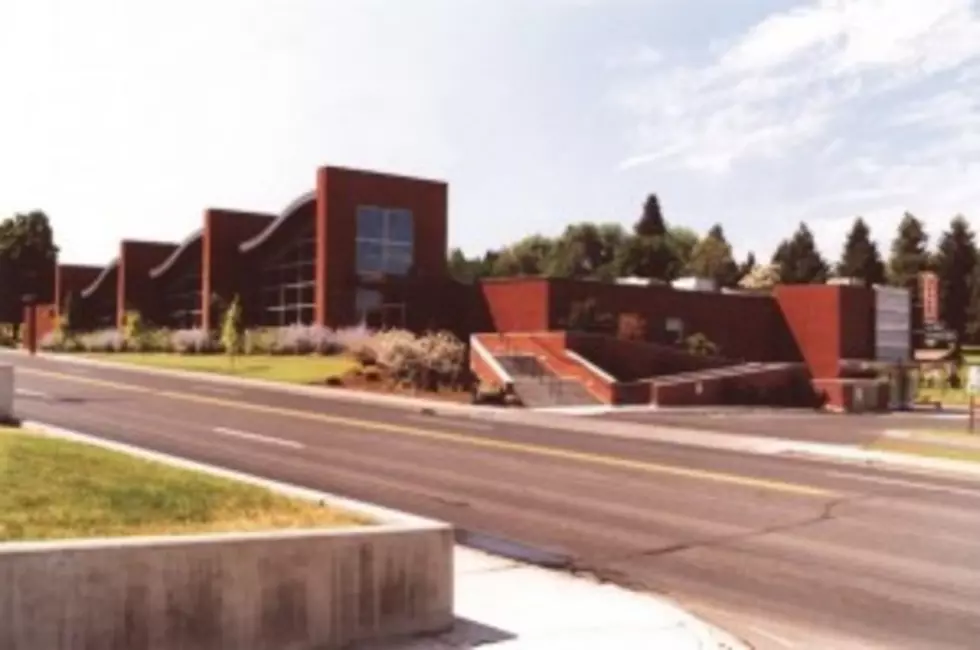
862 106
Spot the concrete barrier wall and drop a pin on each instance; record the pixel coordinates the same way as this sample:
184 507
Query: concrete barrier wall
300 590
6 393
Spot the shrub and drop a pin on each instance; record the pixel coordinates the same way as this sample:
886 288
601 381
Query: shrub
133 330
358 342
108 340
424 362
306 339
7 338
701 345
156 340
192 341
632 327
53 341
259 341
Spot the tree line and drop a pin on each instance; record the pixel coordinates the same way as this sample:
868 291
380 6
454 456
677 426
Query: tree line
27 260
661 252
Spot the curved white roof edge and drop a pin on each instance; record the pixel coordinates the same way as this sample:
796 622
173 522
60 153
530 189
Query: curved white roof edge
92 288
168 263
284 216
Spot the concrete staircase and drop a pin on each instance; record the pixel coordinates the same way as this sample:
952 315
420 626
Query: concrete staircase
539 387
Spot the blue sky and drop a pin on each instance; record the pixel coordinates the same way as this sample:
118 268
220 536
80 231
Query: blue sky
127 118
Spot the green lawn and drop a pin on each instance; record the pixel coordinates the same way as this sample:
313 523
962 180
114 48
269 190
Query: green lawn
944 396
56 489
291 369
932 450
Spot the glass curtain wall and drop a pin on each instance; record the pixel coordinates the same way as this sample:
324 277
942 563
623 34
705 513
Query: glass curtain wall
182 300
287 281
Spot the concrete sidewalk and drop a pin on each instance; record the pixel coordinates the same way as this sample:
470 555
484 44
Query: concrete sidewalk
512 606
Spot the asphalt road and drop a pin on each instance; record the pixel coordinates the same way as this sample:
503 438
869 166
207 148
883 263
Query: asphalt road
783 552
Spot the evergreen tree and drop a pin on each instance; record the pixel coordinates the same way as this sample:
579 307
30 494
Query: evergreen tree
651 223
909 253
860 257
956 261
798 261
909 257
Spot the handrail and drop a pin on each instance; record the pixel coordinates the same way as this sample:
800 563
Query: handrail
491 361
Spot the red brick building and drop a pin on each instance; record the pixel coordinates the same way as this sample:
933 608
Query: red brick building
365 246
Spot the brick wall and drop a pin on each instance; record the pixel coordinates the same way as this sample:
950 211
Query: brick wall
339 192
223 272
136 290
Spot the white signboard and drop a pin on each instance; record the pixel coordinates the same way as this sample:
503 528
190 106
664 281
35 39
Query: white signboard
973 379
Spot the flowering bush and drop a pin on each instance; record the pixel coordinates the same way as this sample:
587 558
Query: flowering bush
427 361
192 341
108 340
305 339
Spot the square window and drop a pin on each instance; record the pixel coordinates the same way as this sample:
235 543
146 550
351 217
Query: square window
370 257
370 223
398 259
400 226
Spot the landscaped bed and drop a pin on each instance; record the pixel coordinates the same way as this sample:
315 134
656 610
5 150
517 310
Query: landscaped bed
389 361
57 489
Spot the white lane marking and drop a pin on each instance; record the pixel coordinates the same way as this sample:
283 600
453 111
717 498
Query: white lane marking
26 392
932 487
772 636
254 437
436 419
218 389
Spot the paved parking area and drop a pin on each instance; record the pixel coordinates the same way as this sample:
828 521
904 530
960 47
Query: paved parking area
797 425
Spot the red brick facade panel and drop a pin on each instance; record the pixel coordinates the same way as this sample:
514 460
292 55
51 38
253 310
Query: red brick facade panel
136 289
813 318
71 279
46 318
634 360
515 305
224 273
339 195
97 302
742 326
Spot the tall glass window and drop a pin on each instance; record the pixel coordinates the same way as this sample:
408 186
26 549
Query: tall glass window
288 279
182 300
385 240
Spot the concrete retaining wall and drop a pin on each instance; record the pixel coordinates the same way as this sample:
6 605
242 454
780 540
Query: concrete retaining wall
299 590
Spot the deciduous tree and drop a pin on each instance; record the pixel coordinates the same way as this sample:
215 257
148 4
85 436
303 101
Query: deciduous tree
712 258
